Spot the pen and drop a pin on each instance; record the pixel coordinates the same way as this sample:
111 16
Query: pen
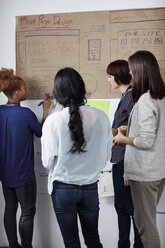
40 103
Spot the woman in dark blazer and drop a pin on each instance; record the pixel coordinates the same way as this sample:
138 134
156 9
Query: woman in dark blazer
119 78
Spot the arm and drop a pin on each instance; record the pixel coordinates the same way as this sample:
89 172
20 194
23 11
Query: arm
109 140
147 122
49 143
46 105
147 125
34 125
33 122
123 113
121 139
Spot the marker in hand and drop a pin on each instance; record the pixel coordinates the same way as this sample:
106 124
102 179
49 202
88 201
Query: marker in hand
47 95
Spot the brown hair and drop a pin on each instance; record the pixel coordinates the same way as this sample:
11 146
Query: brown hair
146 75
10 81
120 70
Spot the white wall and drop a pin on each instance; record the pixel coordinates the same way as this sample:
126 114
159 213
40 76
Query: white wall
46 233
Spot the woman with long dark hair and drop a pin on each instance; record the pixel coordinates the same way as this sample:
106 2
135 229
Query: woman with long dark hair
76 144
145 144
120 78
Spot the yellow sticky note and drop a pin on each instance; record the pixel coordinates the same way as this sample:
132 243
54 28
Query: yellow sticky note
102 105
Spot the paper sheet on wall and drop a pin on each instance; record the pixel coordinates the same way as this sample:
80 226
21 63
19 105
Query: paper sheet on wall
40 171
102 105
86 41
105 185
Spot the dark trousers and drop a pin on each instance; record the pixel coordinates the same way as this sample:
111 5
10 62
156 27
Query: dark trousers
124 208
26 196
71 201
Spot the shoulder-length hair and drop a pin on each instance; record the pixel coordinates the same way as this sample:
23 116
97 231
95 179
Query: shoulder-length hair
120 70
146 75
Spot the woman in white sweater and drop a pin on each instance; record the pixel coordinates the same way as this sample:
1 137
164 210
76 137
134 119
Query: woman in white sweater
145 144
76 144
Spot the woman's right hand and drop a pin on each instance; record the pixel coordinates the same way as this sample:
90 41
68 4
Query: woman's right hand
47 102
126 182
123 129
46 105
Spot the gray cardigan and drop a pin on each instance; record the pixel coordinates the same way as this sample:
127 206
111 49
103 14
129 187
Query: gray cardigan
145 161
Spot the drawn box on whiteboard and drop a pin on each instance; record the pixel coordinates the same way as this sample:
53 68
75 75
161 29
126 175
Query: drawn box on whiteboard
94 49
150 39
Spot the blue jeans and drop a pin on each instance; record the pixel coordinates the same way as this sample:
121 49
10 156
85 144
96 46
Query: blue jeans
71 201
124 208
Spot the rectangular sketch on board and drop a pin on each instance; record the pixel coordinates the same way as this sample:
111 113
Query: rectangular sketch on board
86 41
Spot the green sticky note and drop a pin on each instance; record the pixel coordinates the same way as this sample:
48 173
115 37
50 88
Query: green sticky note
102 105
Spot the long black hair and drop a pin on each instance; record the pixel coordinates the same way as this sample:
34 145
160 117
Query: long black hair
69 91
146 75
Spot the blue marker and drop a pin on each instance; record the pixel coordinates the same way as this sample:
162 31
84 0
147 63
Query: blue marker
47 95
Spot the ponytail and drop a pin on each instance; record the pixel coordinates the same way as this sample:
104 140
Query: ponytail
76 129
69 91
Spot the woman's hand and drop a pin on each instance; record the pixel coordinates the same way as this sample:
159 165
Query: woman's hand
46 105
123 129
119 138
47 102
126 182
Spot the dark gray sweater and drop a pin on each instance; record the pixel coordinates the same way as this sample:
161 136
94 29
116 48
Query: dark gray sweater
121 119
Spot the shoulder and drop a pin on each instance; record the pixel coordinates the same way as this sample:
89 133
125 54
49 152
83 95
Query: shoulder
146 99
2 107
147 104
27 112
54 119
99 116
127 103
128 97
96 112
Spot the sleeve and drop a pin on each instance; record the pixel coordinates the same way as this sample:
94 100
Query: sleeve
147 122
49 144
109 139
34 125
128 105
122 114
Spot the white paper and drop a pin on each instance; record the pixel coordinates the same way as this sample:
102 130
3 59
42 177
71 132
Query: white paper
105 184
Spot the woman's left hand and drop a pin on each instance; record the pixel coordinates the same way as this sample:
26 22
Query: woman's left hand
119 138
